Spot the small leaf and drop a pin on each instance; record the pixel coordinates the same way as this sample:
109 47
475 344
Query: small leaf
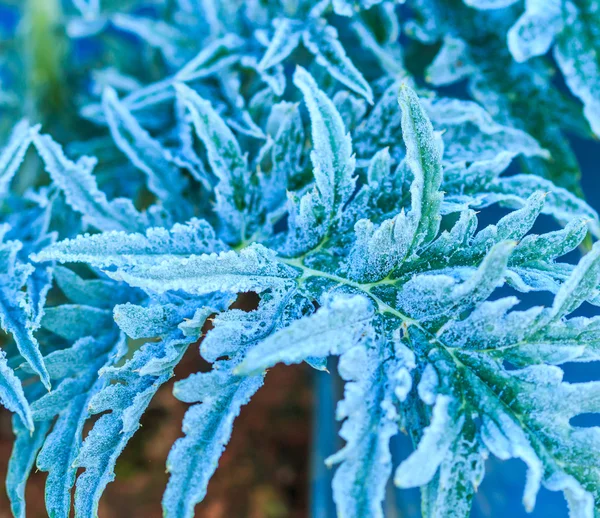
322 40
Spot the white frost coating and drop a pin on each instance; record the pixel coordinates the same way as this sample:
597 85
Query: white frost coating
285 39
121 249
430 297
338 325
322 41
580 502
427 387
505 439
420 467
489 4
332 157
577 56
13 153
451 63
581 284
255 268
534 32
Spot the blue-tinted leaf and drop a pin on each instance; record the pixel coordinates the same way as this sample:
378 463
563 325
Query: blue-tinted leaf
322 40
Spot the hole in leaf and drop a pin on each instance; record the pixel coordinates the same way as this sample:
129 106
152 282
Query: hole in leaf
585 420
579 372
247 301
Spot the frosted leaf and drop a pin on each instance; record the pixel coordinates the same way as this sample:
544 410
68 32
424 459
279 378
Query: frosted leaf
350 107
451 64
322 40
389 56
513 226
100 293
285 40
74 321
13 153
27 445
581 284
62 446
581 503
338 325
228 164
381 127
216 56
121 249
254 269
535 30
427 387
512 191
420 467
377 251
370 417
207 428
423 156
460 235
236 331
127 401
145 153
12 396
16 319
156 33
431 298
576 54
491 326
308 222
81 191
552 244
286 154
332 159
505 440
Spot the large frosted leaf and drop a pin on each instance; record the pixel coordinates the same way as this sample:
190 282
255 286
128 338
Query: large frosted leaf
121 249
254 269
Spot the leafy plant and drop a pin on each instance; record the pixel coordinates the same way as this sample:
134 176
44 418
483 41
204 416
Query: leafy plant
345 200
